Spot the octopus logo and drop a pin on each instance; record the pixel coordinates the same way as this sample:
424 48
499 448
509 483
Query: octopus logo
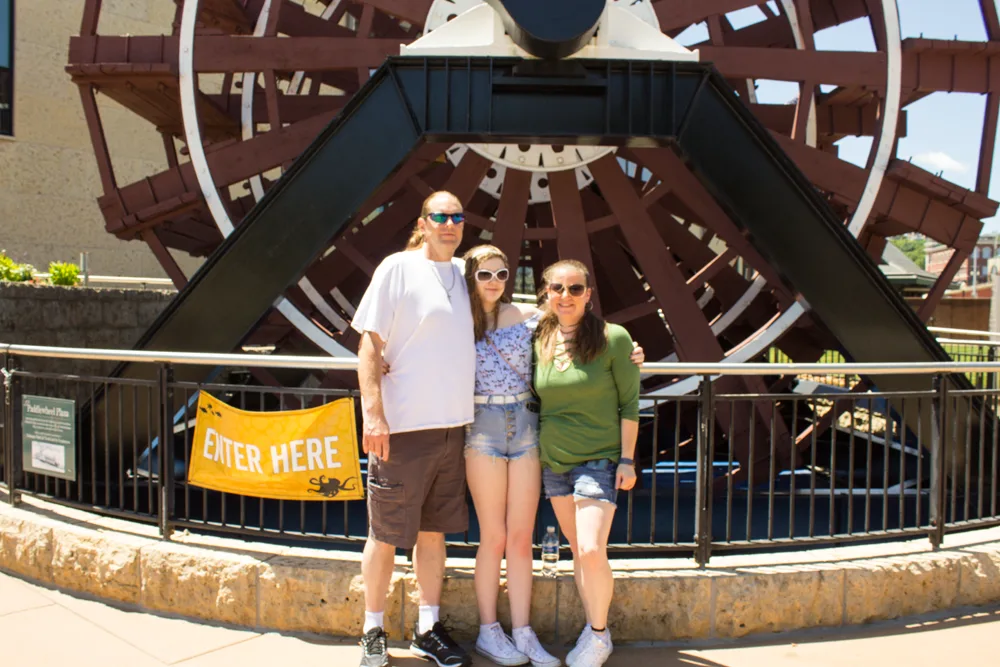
330 488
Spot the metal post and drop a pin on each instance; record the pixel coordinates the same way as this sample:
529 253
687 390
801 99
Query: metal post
991 356
165 379
703 485
84 268
939 430
6 438
12 422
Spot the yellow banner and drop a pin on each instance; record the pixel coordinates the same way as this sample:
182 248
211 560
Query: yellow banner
294 455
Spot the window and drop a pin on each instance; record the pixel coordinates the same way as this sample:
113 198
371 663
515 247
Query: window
6 67
986 253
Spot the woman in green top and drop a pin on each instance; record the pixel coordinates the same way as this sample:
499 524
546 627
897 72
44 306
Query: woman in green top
589 392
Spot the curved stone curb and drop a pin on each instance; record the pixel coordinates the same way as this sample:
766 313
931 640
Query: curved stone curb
306 590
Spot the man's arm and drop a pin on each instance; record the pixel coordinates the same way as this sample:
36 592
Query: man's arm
375 430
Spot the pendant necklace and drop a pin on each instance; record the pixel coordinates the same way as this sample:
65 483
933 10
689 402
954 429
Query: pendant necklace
561 356
454 279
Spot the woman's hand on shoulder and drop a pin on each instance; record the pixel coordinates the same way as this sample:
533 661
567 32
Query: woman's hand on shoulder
638 354
527 310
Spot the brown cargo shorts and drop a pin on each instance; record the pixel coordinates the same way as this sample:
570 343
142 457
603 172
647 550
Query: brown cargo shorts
421 488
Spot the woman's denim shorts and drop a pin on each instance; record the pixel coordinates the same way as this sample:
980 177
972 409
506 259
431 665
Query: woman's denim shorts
593 480
504 431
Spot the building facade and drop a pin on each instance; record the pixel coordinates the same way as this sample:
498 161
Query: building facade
974 270
50 183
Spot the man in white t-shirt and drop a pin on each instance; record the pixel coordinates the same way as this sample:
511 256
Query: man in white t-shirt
416 315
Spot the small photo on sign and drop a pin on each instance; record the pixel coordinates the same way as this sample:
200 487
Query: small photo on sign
46 456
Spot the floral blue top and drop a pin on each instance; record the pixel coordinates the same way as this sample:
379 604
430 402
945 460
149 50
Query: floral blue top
494 376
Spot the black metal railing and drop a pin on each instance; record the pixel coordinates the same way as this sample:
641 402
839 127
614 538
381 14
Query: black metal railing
815 464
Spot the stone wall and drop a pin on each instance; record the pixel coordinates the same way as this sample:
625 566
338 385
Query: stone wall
76 317
268 587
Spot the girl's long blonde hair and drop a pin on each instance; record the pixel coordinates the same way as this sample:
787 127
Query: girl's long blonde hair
591 337
474 258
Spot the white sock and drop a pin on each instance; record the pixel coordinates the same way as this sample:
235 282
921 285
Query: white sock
373 619
524 631
427 617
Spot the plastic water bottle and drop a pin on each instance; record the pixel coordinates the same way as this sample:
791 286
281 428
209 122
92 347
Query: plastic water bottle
550 552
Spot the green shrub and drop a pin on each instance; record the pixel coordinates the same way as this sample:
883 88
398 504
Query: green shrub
64 273
12 271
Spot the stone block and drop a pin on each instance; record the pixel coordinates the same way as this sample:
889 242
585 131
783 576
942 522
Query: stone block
91 313
119 315
149 310
28 550
56 315
28 316
979 582
9 525
458 604
321 595
8 316
889 588
105 565
777 599
70 338
101 339
660 606
213 585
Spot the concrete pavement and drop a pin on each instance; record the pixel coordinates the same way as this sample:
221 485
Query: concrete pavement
44 626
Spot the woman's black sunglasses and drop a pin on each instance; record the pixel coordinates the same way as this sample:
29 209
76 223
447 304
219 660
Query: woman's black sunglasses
574 290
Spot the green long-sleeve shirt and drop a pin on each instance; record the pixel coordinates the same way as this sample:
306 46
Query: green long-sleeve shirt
582 407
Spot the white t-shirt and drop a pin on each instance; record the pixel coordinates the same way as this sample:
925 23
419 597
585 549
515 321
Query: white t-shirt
429 341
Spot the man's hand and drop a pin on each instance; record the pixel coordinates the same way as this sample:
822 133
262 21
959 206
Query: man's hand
375 428
375 437
625 478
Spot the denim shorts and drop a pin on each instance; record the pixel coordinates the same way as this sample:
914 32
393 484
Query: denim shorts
593 480
505 431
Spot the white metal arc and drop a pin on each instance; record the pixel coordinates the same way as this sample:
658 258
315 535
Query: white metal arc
199 161
800 43
890 117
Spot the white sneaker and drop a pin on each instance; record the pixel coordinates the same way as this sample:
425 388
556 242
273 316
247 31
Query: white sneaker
595 652
581 641
526 641
493 643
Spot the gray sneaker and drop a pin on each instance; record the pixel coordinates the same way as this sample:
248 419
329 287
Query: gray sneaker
373 649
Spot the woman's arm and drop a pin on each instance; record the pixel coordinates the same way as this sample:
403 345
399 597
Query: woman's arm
625 477
626 376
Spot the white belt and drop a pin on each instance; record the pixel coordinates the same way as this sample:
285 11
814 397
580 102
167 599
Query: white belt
502 400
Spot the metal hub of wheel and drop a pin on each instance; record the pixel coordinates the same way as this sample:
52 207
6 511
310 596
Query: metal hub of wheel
536 159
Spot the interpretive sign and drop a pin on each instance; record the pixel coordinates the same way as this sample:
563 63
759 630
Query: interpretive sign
48 436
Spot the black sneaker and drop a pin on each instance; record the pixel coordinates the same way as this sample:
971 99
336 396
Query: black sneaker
437 645
373 649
